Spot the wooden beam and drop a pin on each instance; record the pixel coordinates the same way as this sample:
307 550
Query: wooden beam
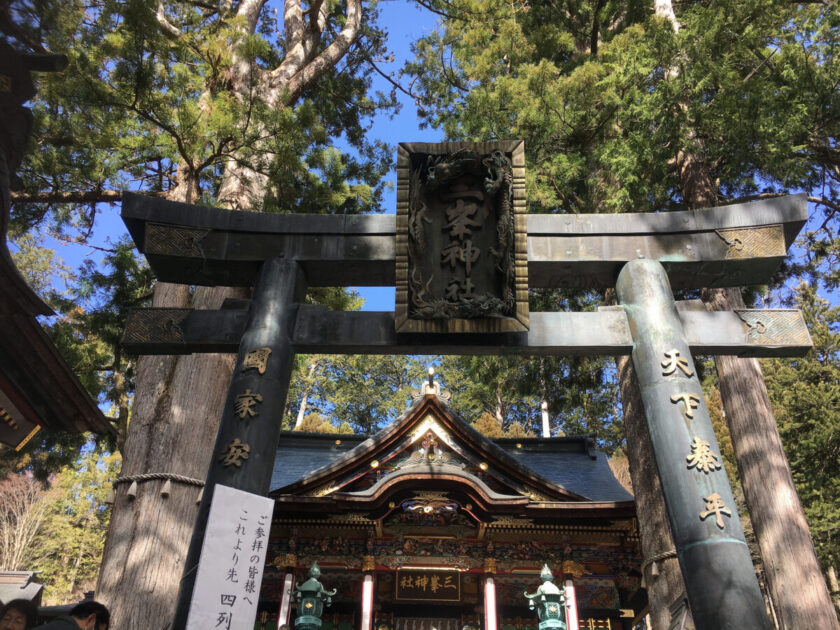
724 246
748 333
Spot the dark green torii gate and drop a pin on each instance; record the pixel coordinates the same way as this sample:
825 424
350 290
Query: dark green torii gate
648 254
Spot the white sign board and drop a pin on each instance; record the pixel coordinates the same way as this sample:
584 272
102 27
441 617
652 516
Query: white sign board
227 586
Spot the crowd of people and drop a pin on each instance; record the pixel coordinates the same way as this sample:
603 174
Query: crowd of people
21 614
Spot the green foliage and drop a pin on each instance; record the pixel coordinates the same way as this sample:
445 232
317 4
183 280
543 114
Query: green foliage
91 315
148 107
580 393
94 313
138 108
605 95
314 423
69 545
806 399
361 392
517 430
38 265
488 425
58 528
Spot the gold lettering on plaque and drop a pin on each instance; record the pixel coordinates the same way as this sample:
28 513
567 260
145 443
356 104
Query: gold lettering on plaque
691 402
235 453
702 457
244 404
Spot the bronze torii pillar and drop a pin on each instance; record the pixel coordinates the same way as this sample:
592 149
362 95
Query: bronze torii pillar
721 585
243 456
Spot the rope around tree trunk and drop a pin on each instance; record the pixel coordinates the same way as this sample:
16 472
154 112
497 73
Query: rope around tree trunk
153 476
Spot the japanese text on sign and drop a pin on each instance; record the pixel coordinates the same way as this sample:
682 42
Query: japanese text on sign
429 585
230 570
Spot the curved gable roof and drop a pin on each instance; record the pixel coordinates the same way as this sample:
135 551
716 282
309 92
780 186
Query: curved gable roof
558 468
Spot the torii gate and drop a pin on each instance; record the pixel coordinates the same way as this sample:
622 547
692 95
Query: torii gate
448 303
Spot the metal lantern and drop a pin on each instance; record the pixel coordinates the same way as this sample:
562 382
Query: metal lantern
311 598
549 601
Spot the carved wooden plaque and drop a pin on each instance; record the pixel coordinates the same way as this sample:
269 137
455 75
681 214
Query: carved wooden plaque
430 585
462 259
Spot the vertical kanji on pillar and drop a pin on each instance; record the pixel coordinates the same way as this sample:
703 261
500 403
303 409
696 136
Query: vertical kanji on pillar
246 444
722 589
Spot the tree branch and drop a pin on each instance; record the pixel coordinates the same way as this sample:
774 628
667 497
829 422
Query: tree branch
205 5
293 25
250 10
318 14
746 198
316 68
390 79
428 6
91 196
83 241
764 62
166 26
595 37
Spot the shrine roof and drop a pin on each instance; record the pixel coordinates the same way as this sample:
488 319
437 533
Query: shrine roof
37 386
299 454
570 463
567 462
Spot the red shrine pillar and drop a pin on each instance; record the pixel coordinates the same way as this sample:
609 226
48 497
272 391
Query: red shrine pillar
490 614
571 570
368 582
284 614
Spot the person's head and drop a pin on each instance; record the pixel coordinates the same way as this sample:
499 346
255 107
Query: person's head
91 615
18 614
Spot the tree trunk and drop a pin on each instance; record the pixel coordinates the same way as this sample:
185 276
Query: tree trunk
75 572
176 413
835 587
304 399
179 400
793 573
791 568
655 532
177 407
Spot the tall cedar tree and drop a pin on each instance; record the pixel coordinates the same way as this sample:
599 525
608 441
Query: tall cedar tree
806 397
231 103
621 111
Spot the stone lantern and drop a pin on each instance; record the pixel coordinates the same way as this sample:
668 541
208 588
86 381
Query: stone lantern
311 598
549 601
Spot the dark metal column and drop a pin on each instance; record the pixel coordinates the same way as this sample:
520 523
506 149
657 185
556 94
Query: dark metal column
720 580
246 443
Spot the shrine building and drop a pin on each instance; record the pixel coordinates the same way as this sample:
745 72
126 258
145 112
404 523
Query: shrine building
429 524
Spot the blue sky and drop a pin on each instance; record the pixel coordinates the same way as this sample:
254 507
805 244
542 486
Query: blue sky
405 23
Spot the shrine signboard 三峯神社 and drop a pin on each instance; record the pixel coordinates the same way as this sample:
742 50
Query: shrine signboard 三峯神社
428 585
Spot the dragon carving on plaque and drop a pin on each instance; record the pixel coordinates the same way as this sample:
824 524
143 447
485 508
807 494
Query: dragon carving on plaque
462 257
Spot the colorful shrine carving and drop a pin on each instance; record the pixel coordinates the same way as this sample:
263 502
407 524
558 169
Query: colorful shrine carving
444 509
